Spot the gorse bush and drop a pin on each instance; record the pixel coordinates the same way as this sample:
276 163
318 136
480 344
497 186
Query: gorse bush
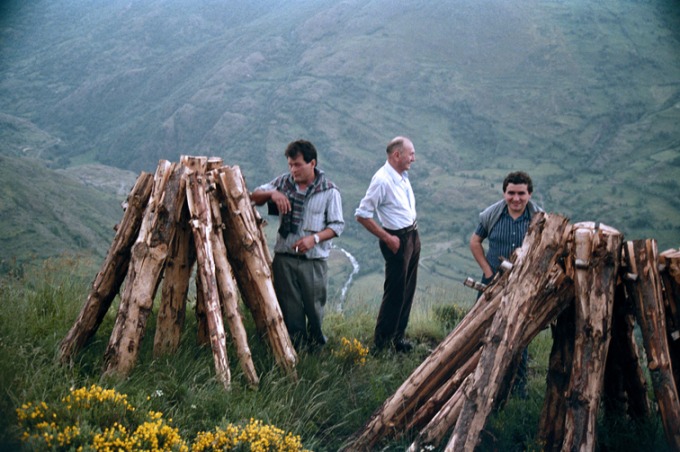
101 419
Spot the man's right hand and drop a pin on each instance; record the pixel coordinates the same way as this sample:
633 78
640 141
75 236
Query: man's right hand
281 201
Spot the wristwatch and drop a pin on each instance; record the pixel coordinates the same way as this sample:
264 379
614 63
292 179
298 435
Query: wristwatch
316 239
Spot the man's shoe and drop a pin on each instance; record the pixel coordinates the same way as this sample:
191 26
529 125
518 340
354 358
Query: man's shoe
403 346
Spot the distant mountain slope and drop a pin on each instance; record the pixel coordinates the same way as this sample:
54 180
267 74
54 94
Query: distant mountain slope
44 214
584 95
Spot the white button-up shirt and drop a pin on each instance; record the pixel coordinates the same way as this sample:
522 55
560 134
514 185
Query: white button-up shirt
390 196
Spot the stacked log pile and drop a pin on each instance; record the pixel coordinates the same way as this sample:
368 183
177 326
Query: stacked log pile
590 287
197 211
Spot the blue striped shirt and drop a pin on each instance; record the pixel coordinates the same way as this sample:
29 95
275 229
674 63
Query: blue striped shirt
505 236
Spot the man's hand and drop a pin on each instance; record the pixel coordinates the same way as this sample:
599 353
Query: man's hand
393 243
281 201
303 245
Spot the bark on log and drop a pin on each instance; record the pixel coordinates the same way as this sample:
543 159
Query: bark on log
251 266
537 282
229 293
597 253
203 333
449 402
176 277
670 275
551 423
644 286
148 256
202 227
108 281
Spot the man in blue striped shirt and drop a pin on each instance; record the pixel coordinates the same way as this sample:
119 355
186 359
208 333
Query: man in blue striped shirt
310 210
505 223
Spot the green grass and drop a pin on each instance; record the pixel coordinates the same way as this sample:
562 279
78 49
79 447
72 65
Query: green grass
330 400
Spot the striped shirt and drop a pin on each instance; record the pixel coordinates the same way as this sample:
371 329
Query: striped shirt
390 196
321 210
505 236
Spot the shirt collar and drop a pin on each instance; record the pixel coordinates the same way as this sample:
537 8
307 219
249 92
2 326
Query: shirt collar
396 177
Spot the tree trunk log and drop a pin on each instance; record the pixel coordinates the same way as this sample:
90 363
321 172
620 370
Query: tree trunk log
176 277
229 292
551 423
448 401
597 253
108 281
670 275
251 266
644 286
202 227
537 282
148 256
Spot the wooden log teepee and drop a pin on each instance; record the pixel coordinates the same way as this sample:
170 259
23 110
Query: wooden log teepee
179 217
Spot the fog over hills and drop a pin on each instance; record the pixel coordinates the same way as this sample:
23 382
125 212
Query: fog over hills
583 95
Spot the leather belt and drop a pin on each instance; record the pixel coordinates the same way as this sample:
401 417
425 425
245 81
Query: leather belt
405 230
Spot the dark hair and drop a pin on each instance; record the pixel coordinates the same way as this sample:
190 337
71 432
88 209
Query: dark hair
518 178
303 147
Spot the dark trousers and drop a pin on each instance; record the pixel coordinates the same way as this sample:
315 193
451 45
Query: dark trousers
301 285
401 274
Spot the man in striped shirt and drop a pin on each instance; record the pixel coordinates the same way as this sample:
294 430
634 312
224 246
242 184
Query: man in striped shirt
505 223
310 211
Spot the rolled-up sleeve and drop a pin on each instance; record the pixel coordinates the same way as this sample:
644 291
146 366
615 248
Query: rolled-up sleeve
371 200
334 217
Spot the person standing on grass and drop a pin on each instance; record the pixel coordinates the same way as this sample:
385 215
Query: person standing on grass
390 196
310 210
505 223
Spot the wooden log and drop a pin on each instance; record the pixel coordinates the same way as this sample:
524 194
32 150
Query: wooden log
108 281
202 227
625 387
228 291
448 401
203 333
176 277
551 422
645 289
144 272
597 253
537 282
251 267
669 271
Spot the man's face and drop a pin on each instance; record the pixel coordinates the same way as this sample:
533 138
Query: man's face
302 172
405 157
516 197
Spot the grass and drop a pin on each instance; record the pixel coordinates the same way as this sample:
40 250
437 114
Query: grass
332 398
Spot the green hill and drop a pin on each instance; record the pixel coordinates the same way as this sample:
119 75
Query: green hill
583 95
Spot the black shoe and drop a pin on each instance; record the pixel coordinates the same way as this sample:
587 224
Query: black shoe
403 346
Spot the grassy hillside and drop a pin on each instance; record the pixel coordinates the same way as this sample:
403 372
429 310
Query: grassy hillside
44 214
582 95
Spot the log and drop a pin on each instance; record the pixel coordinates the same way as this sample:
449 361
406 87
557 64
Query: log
250 265
176 277
148 257
553 413
442 409
202 228
669 271
597 253
536 283
227 287
108 281
645 289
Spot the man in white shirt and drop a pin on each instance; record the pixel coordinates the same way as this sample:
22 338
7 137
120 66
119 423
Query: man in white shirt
390 196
